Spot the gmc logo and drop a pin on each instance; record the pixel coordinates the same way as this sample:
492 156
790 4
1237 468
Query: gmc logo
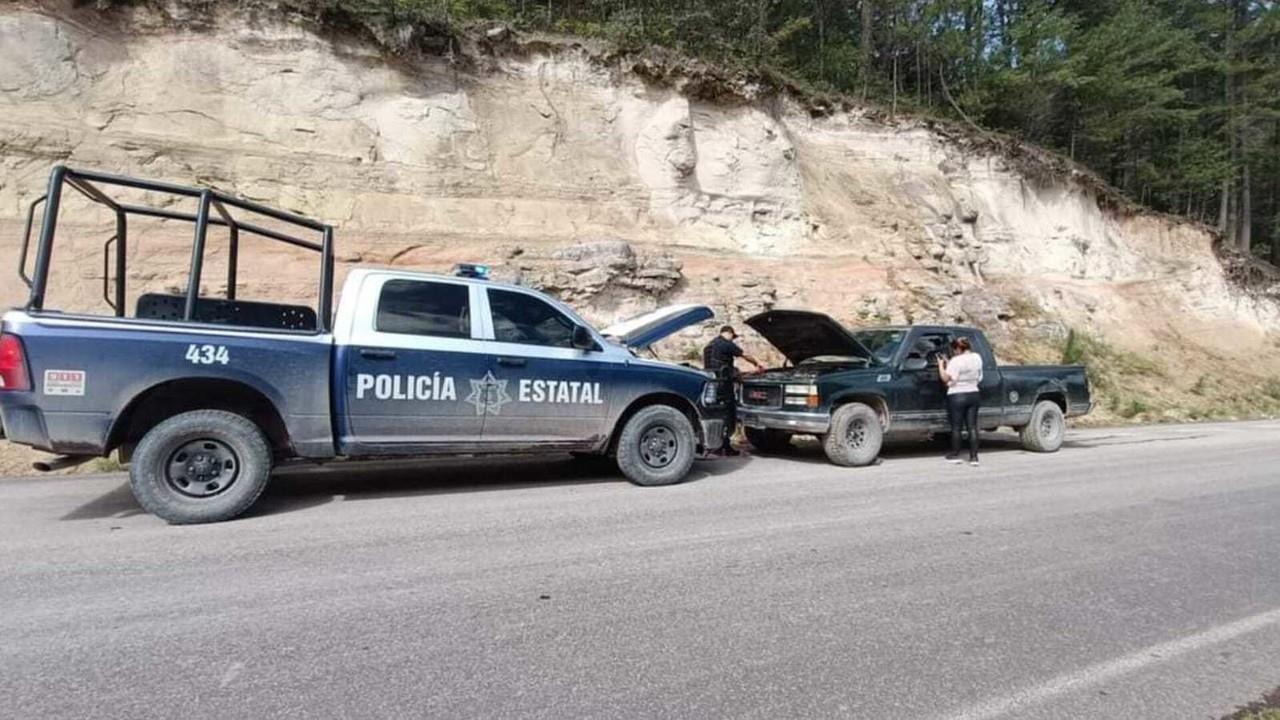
757 395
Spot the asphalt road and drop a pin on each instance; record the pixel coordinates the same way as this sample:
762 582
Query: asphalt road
1134 574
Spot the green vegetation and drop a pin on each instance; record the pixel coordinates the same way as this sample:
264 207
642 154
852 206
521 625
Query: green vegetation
1126 384
1133 409
1073 351
1263 714
1201 388
1107 365
1272 389
1268 708
109 464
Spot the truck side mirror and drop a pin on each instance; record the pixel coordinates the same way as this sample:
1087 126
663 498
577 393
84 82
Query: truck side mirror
582 339
915 363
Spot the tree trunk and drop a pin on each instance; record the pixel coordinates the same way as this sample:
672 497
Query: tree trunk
822 39
979 41
1274 205
894 111
1240 150
893 50
1224 210
866 43
1246 211
762 22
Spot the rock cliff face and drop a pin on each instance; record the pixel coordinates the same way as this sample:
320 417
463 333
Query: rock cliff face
572 170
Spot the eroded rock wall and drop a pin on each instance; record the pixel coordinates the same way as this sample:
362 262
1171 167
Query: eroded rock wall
518 159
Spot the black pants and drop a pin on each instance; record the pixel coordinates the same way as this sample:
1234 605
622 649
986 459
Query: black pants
730 424
962 411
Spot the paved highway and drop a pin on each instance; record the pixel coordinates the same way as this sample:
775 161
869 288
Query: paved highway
1135 574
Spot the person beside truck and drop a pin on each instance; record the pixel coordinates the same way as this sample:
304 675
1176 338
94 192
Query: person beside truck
718 358
962 375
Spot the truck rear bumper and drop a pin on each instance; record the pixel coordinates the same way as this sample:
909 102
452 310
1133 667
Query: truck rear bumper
76 433
1076 409
799 422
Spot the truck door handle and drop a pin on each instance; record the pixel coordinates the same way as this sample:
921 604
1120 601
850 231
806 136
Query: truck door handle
511 362
376 354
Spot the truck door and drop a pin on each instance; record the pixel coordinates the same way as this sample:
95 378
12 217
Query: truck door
993 397
551 391
409 366
920 398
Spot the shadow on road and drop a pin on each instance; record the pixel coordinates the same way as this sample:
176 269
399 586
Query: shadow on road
299 488
118 503
808 449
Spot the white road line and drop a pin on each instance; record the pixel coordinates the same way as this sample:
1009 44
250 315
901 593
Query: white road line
1110 670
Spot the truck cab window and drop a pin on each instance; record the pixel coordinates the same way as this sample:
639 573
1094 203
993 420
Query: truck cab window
929 346
883 344
411 307
520 318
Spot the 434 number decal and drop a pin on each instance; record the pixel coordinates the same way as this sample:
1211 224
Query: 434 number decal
208 354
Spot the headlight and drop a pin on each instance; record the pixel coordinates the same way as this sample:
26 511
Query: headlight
806 395
711 393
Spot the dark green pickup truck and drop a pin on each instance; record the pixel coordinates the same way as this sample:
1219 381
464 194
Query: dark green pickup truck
851 388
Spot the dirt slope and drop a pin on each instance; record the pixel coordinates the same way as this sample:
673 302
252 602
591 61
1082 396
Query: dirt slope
570 170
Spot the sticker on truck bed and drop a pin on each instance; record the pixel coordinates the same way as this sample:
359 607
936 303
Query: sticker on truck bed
207 354
64 382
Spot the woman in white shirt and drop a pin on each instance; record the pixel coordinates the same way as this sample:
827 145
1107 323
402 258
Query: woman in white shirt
961 374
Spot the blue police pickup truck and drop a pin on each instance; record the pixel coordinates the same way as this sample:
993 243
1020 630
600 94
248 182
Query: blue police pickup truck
203 396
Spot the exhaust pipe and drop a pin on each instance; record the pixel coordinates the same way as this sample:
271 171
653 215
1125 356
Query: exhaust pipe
61 462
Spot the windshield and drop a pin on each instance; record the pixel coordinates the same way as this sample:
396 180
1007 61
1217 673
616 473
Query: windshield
883 344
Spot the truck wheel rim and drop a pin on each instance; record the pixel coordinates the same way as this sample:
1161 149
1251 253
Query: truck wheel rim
856 435
1048 426
658 446
202 468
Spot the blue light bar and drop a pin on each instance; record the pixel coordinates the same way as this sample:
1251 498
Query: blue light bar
471 270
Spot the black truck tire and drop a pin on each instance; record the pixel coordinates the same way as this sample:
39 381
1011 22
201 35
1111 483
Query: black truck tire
767 439
1046 430
657 446
855 436
201 466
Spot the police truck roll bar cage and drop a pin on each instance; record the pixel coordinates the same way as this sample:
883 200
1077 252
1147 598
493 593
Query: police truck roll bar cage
214 208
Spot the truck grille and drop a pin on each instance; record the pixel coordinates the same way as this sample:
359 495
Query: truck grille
762 395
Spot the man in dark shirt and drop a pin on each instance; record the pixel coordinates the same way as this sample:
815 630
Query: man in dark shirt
718 357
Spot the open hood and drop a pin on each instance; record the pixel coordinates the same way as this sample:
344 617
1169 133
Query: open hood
801 335
641 332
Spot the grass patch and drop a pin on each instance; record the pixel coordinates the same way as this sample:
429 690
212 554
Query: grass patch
1131 387
1109 367
1025 308
1202 385
1263 714
1268 708
1133 409
108 464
